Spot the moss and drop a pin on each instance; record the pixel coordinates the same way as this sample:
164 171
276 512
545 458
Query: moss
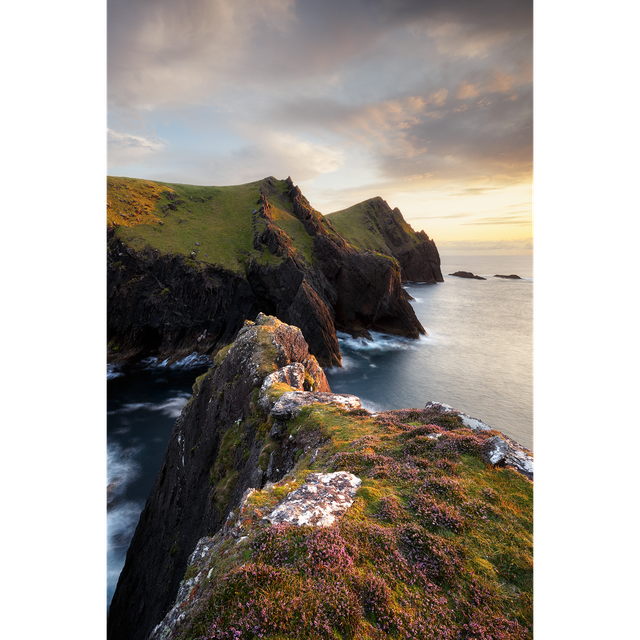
222 354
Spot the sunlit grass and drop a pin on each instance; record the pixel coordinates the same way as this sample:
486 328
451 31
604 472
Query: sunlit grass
437 544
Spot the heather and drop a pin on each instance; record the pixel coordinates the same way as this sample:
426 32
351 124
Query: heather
438 543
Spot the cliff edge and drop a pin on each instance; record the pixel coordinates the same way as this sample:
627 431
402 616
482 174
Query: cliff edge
284 510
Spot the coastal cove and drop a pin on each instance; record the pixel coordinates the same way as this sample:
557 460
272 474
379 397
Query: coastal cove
487 323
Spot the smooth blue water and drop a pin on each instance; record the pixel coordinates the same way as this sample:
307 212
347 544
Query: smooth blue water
477 357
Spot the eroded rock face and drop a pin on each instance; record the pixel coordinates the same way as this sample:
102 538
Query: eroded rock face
212 459
319 501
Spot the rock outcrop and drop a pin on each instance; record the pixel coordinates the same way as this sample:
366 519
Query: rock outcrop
466 274
513 276
319 501
172 304
500 450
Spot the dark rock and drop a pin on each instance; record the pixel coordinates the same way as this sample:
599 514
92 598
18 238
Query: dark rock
161 305
466 274
513 276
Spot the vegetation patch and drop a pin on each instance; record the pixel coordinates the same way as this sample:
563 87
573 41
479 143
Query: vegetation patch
437 545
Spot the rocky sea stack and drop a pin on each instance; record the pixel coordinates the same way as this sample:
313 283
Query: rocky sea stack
282 510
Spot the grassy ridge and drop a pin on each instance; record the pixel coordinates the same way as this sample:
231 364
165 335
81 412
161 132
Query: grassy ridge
218 218
437 544
355 225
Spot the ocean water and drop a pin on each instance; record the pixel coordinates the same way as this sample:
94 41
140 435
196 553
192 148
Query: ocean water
143 403
477 357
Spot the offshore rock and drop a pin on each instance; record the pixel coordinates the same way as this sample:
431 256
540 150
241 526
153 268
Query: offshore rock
466 274
513 276
319 501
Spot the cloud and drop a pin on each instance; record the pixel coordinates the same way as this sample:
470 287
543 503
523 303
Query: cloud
392 93
500 220
467 90
511 246
125 148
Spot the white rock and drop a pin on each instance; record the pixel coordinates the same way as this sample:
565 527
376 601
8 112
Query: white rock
319 501
291 402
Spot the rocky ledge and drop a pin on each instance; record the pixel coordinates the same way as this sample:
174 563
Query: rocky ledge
500 450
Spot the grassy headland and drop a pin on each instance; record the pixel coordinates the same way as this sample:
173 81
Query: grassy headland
360 226
438 544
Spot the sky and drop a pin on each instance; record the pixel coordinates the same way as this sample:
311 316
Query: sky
426 103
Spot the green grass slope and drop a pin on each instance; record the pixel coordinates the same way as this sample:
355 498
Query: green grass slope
438 544
172 218
360 225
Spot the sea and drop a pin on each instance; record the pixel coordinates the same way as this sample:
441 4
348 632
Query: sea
477 356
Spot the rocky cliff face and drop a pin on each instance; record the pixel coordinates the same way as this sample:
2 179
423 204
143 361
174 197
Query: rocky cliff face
283 510
222 444
374 225
170 303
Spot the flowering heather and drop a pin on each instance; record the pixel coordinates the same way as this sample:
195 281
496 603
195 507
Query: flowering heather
437 546
434 513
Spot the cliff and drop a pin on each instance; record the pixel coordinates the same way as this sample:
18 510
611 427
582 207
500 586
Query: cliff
187 265
283 510
372 225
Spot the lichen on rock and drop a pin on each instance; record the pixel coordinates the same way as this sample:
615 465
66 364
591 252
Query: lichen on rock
319 501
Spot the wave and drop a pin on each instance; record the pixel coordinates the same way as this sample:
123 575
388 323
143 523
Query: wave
121 525
192 360
170 407
380 342
122 467
122 516
112 372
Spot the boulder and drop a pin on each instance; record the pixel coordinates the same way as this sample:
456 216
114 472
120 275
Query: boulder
319 501
501 453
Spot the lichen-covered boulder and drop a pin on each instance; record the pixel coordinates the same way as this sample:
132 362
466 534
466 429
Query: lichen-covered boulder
319 501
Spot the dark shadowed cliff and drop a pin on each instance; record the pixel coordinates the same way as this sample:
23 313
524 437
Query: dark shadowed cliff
187 265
